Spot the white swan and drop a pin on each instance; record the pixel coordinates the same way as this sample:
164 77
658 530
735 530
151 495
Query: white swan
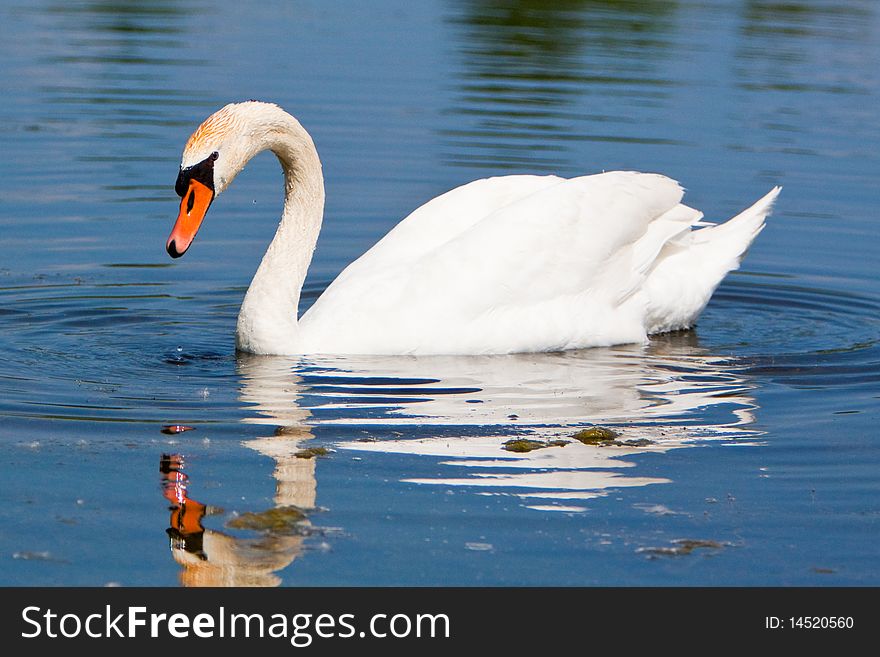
501 265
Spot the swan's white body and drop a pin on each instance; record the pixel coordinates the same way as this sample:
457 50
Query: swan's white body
501 265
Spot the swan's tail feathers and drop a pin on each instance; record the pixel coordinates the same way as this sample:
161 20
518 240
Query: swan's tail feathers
682 281
734 236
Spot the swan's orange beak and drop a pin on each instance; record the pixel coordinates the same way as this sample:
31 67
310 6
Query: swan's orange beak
193 207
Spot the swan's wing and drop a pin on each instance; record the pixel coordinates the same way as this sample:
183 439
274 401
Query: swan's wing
555 244
447 216
557 241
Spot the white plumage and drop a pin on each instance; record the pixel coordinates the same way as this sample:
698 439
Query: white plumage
500 265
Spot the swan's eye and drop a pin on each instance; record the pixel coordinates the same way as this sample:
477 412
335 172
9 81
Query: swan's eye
202 172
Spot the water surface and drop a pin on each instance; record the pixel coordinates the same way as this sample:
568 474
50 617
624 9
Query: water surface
753 434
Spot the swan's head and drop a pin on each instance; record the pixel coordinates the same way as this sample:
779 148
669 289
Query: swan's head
212 157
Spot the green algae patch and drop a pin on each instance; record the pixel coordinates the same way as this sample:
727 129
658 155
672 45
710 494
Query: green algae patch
638 442
596 436
823 571
311 452
294 431
605 437
277 520
682 547
688 545
522 445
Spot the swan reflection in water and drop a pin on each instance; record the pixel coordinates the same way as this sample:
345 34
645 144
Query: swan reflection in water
215 558
461 410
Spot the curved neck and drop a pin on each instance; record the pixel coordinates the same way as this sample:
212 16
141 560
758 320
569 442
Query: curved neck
267 321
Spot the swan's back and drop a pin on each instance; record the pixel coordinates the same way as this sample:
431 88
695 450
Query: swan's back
531 263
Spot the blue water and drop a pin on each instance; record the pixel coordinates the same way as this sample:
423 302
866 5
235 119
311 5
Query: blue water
763 461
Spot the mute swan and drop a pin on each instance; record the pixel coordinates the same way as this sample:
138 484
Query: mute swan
516 263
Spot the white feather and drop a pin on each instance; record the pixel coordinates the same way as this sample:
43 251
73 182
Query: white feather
500 265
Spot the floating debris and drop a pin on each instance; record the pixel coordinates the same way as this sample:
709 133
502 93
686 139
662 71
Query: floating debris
657 509
683 546
596 435
521 445
176 428
479 547
637 442
605 437
29 555
277 520
564 508
311 452
527 444
294 430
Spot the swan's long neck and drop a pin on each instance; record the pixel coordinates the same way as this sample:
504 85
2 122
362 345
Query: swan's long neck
267 322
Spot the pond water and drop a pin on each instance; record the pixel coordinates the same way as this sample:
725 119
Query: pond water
748 453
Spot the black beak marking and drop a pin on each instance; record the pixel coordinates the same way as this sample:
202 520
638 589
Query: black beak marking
202 172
